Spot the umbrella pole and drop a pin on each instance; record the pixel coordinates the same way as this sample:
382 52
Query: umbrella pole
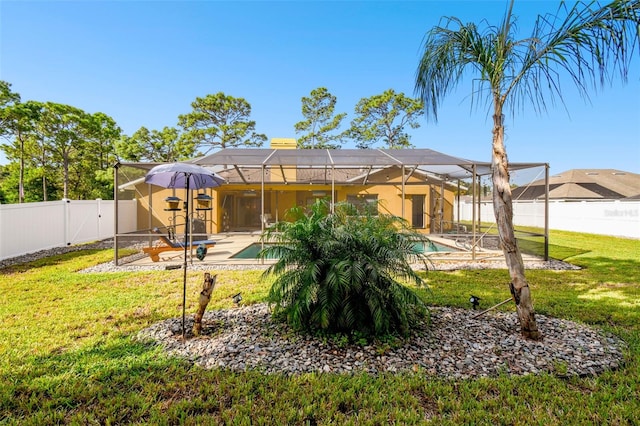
184 266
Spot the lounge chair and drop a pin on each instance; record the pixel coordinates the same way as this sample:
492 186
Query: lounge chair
168 245
266 219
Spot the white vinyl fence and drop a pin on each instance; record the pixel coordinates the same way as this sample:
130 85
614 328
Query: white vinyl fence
30 227
618 218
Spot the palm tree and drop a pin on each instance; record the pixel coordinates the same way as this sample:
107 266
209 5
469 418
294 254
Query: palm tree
590 44
343 272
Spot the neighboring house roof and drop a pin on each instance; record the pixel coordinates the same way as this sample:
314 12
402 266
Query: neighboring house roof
604 184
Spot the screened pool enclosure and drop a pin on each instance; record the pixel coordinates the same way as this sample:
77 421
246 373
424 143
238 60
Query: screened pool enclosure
420 185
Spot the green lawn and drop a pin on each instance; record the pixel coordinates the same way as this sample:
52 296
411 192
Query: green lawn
66 353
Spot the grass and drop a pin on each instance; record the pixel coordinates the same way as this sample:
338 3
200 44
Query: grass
67 353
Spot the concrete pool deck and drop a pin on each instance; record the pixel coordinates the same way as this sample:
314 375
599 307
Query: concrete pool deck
228 244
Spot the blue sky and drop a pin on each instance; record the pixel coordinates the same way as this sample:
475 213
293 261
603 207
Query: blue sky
144 62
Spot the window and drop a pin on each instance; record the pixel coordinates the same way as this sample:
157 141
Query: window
364 202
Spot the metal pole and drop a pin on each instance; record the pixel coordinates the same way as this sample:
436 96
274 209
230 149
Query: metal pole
184 265
546 212
473 214
442 206
115 215
458 218
150 217
491 308
333 189
262 201
262 218
403 191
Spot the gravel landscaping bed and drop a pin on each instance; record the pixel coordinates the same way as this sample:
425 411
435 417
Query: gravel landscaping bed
453 345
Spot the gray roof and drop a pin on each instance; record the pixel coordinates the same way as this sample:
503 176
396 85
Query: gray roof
243 164
605 184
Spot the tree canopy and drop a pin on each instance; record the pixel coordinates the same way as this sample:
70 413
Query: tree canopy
320 120
158 146
55 151
383 118
220 121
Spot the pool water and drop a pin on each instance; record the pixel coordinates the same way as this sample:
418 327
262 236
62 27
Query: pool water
432 247
251 251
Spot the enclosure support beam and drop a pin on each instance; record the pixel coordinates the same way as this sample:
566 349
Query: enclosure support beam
403 191
262 219
235 166
458 208
115 215
150 217
473 214
333 188
442 207
546 211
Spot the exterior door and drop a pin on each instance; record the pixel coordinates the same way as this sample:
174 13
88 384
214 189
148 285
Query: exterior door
248 213
417 211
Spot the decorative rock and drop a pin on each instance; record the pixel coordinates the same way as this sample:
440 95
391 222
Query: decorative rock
453 345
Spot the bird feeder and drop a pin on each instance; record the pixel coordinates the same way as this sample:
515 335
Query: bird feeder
172 204
203 202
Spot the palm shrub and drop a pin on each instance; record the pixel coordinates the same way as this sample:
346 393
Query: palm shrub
344 272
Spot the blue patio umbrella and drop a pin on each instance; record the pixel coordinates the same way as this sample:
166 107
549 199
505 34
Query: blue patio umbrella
187 176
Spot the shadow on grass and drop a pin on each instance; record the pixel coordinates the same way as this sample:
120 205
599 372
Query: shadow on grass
563 252
116 381
536 247
611 270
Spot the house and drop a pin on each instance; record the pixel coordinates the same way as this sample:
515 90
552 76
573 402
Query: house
584 184
262 184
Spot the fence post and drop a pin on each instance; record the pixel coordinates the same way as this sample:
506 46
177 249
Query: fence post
99 218
66 208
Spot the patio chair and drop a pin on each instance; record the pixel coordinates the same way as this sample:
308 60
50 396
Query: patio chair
168 245
266 219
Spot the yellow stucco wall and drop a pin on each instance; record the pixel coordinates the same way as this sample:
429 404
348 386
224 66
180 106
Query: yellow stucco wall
238 207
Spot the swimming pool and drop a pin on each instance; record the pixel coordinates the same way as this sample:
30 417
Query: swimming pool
249 252
252 250
432 247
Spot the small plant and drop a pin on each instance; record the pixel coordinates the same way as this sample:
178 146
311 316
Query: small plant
345 271
561 368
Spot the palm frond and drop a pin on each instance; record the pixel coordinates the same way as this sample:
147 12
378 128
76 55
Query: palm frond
588 43
334 271
589 46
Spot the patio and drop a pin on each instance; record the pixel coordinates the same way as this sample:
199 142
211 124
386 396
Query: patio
229 244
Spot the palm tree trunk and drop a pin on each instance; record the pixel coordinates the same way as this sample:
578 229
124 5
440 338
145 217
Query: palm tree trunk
503 210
